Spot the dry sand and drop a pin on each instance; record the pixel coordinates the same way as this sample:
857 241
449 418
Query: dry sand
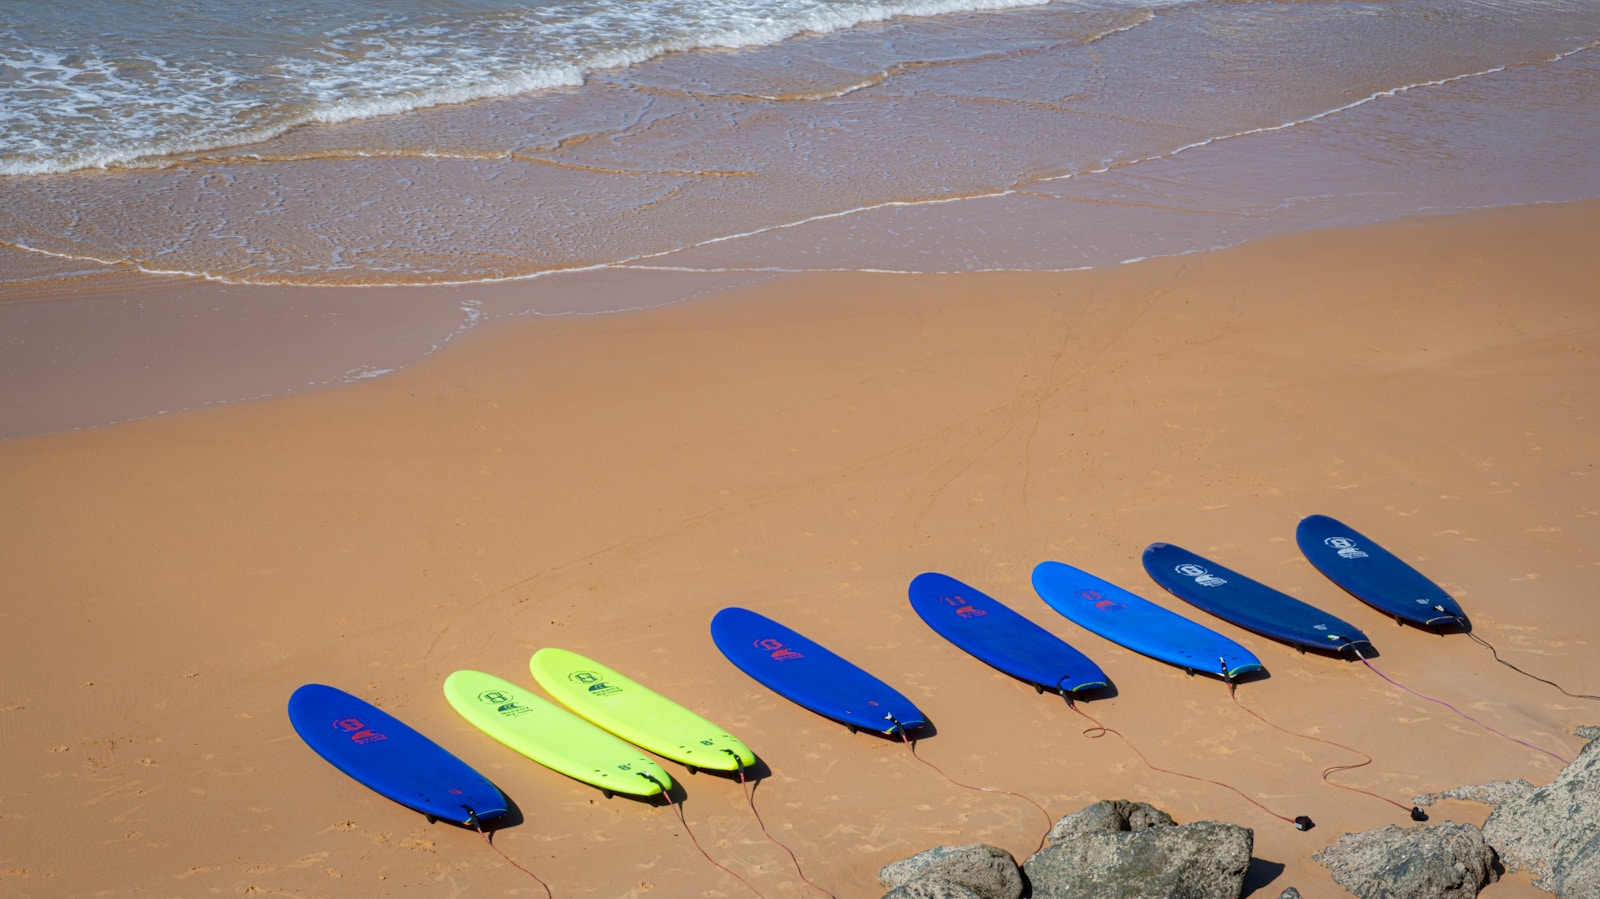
804 449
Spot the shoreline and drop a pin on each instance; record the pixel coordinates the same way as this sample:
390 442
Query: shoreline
805 447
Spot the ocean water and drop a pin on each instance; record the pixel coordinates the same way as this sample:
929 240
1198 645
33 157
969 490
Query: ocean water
663 149
432 141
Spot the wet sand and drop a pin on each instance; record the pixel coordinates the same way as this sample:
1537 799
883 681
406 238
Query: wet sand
804 448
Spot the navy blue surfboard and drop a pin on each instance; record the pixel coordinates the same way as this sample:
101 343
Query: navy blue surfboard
389 757
1137 623
1250 604
995 633
810 675
1374 575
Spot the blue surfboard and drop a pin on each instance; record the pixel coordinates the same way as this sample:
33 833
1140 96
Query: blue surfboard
1374 575
389 757
1250 604
995 633
809 674
1137 623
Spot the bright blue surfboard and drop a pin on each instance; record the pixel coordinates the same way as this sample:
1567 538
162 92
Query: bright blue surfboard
810 675
995 633
388 756
1374 575
1137 623
1250 604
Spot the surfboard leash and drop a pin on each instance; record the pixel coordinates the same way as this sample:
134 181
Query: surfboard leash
1416 812
682 819
1464 715
750 797
1496 653
911 744
1098 730
472 818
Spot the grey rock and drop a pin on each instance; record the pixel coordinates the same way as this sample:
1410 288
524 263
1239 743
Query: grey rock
1586 731
1579 876
930 887
1492 793
1551 826
1111 816
1203 860
1429 861
1290 893
989 872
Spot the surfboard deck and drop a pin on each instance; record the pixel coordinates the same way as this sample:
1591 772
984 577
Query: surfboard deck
1250 604
390 757
810 675
1374 575
998 635
636 713
1134 622
552 736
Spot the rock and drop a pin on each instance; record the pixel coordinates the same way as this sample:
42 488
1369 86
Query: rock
988 872
1290 893
931 887
1579 876
1111 816
1553 826
1492 793
1204 860
1587 731
1430 861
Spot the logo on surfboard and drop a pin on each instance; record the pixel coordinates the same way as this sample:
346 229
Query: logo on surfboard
593 682
359 732
504 703
963 608
1098 600
1201 576
1345 547
777 649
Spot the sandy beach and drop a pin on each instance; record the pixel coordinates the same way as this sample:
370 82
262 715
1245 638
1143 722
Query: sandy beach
804 448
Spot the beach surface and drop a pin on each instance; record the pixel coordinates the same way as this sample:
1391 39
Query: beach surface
804 447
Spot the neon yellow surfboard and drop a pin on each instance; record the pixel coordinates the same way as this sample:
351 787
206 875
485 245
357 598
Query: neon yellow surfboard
553 736
636 713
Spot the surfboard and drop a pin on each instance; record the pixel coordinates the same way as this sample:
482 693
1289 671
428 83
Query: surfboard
391 758
1250 604
1132 621
810 675
1374 575
553 736
997 634
636 713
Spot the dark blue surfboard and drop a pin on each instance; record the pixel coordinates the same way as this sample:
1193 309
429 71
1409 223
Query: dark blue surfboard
995 633
809 674
1137 623
1374 575
1250 604
388 756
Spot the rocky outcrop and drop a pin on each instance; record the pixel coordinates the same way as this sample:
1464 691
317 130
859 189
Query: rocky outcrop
1552 830
1111 816
981 871
1113 849
1203 860
1435 861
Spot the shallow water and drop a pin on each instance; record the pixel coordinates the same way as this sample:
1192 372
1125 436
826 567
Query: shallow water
1045 137
1050 137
